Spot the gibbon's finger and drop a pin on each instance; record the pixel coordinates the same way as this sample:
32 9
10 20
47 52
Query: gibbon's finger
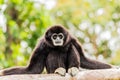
61 71
73 71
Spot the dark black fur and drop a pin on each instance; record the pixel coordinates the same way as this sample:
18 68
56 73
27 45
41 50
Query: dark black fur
52 57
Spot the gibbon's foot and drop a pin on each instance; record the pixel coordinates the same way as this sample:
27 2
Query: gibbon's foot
61 71
73 71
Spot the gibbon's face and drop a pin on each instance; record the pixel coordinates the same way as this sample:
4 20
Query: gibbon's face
57 39
56 36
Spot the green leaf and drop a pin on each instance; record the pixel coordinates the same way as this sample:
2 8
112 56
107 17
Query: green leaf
1 1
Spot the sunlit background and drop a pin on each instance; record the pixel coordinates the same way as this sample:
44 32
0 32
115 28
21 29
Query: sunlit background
96 24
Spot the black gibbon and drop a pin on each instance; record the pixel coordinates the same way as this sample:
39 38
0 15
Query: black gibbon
59 52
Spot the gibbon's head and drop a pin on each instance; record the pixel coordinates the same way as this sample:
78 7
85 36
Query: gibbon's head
56 35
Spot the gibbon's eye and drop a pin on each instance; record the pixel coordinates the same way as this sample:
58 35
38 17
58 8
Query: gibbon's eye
54 36
60 35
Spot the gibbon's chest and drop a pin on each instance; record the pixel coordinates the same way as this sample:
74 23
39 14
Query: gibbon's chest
57 54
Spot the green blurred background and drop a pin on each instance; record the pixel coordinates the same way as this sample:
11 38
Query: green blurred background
96 24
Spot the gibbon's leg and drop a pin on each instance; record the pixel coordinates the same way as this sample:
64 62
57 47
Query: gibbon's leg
36 64
73 61
10 71
88 63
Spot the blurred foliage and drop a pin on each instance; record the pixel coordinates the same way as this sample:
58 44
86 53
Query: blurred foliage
24 24
96 23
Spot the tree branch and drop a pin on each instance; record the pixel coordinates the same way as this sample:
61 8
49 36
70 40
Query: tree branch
104 74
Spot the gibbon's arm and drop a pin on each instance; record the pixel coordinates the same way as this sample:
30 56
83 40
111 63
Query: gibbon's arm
36 64
88 63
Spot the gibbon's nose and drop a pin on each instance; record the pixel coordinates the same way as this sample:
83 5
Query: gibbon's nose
57 38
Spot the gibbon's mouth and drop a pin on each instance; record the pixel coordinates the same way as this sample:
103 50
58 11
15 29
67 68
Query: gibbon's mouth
58 43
